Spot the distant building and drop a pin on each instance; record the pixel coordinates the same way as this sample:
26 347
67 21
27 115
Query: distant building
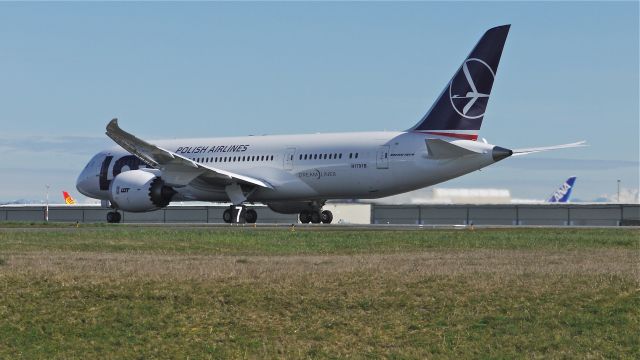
448 196
471 196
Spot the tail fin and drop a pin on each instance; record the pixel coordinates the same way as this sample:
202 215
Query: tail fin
68 199
463 101
564 192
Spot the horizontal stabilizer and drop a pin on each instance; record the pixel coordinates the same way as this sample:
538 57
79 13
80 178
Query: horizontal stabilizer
517 152
440 149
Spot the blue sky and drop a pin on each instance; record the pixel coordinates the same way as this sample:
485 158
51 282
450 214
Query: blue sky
569 72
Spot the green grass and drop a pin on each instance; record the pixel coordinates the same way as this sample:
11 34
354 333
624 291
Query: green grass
352 315
258 241
126 292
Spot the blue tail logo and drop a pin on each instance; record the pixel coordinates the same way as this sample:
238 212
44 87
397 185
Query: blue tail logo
473 102
564 192
462 104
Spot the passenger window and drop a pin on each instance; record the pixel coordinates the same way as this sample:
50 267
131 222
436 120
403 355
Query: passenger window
356 155
325 156
350 155
340 156
271 157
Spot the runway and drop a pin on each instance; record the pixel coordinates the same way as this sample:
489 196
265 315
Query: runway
301 227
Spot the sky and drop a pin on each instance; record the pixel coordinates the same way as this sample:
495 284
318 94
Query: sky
569 72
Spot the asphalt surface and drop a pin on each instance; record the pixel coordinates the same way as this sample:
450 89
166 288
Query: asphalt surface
314 227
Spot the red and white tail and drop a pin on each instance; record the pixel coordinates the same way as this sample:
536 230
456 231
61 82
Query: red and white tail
68 199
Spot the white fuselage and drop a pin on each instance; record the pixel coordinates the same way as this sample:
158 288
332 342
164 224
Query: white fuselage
304 167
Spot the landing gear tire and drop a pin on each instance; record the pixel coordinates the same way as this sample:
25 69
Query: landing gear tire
113 217
305 217
315 217
226 216
326 217
250 216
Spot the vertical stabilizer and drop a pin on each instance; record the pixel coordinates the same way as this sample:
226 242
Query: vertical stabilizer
462 103
564 192
68 199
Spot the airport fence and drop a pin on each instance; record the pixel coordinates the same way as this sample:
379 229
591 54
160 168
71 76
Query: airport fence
507 214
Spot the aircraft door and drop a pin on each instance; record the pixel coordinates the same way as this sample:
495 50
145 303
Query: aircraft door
382 157
288 158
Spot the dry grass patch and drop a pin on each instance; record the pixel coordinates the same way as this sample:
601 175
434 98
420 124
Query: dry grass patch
110 266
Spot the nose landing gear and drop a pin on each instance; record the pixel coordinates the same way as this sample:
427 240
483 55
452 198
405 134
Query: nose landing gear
113 217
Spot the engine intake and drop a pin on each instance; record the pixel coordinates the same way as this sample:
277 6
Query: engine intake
140 191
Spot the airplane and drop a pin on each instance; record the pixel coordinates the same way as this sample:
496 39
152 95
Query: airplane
564 192
68 199
297 174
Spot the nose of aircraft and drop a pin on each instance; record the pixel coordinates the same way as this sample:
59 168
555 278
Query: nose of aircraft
88 182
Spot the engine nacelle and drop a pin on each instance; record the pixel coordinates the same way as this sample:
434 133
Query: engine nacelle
139 191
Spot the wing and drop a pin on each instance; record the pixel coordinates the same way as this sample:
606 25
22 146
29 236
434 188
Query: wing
176 170
518 152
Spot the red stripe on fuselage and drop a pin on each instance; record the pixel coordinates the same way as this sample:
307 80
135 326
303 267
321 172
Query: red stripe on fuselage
473 137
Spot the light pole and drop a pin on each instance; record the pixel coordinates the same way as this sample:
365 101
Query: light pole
618 190
46 209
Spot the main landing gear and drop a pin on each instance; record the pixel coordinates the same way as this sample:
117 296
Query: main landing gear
113 217
239 214
316 217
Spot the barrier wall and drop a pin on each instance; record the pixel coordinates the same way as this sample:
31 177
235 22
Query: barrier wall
529 214
172 214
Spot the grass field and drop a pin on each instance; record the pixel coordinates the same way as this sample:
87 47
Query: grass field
130 292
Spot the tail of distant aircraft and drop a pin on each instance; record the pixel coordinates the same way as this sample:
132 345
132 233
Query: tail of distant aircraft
68 199
564 192
459 110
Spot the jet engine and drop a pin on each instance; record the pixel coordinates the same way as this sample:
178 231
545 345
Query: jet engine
139 191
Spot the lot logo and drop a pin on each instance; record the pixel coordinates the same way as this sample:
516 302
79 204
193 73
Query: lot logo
469 89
